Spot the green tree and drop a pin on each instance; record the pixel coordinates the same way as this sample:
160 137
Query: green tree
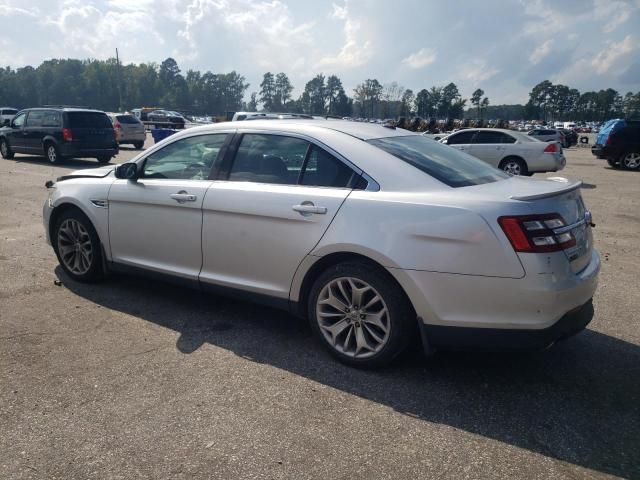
267 91
282 89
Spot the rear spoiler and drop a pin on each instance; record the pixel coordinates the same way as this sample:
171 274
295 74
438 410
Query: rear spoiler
571 186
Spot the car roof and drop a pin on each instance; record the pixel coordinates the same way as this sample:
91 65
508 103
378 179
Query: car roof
63 109
363 131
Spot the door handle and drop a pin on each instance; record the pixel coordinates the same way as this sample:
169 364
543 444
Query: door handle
182 196
307 208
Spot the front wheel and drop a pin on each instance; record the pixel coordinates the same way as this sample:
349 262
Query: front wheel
514 166
630 161
5 151
77 246
360 314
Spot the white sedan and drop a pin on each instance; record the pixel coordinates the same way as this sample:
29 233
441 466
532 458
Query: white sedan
370 232
513 152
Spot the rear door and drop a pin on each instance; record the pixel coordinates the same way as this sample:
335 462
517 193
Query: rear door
272 207
489 146
90 130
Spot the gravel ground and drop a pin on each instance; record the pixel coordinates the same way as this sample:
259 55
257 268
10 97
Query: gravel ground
137 379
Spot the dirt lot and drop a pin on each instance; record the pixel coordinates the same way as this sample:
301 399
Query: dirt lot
136 379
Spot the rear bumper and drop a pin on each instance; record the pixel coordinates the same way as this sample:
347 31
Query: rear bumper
132 137
602 152
70 150
493 338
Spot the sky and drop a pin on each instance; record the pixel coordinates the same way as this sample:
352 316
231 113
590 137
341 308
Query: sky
504 47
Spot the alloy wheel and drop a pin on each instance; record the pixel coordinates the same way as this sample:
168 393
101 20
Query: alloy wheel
353 317
74 246
52 155
631 161
512 168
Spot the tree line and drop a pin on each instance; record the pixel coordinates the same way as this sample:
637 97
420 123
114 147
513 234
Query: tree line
107 85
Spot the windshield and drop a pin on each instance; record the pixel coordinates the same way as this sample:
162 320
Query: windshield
444 163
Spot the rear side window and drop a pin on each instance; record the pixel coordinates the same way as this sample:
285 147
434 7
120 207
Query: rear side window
51 118
324 170
129 119
269 159
88 120
448 165
489 137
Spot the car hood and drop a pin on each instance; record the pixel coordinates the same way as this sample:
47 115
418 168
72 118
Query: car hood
88 173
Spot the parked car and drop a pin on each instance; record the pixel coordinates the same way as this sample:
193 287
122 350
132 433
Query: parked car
618 142
370 232
128 129
549 135
167 118
513 152
60 132
6 114
571 137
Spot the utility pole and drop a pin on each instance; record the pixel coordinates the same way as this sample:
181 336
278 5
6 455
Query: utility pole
119 82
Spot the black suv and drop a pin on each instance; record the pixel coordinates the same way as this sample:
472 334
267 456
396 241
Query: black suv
60 132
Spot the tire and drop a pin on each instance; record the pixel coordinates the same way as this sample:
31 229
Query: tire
104 159
5 150
630 161
138 145
385 327
514 166
52 153
77 246
613 163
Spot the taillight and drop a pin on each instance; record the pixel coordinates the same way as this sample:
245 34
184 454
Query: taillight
117 126
551 148
115 134
536 233
608 141
66 135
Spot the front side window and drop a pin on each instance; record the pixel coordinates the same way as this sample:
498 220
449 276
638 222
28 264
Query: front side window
324 170
35 118
448 165
18 121
186 159
460 138
269 159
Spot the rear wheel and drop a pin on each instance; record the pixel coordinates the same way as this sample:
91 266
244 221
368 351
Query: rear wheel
51 152
630 161
360 314
104 158
138 145
5 151
514 166
77 246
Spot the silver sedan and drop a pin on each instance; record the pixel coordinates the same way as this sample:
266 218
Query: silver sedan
373 234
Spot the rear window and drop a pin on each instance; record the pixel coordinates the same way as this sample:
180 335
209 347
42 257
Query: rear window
8 111
446 164
127 119
88 120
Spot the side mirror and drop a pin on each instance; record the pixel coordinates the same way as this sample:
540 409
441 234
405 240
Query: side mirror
127 171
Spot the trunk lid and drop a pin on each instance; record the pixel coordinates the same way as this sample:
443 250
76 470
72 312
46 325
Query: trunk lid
547 196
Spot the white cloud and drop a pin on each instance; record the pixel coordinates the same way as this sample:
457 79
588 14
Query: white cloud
8 10
421 58
477 71
540 52
612 54
355 52
615 13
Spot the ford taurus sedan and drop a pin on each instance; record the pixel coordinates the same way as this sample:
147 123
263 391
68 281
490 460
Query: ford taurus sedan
375 234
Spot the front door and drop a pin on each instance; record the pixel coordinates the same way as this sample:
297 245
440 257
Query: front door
155 222
280 196
17 133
